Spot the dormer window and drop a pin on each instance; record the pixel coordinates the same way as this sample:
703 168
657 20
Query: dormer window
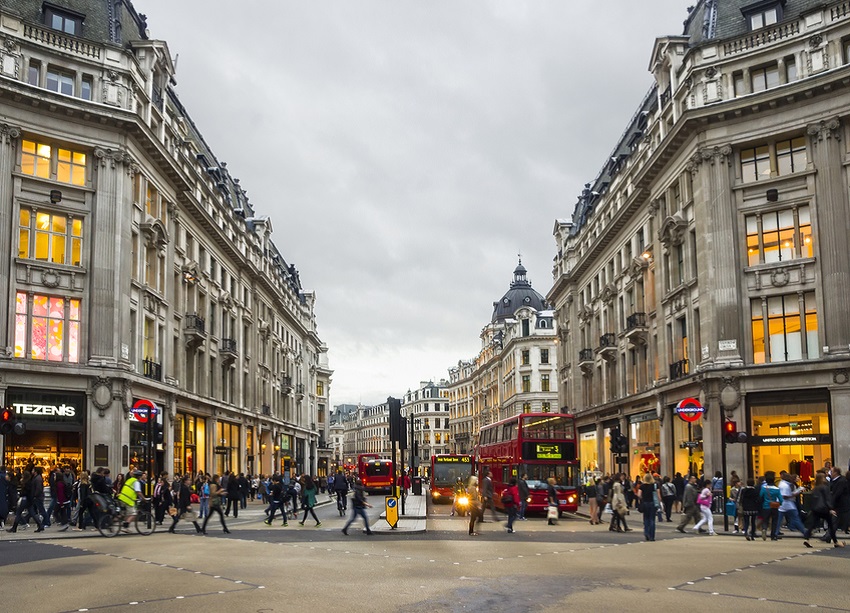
63 21
763 14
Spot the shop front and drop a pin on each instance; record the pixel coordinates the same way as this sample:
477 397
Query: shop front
790 432
189 444
589 452
688 453
55 429
226 449
644 444
141 436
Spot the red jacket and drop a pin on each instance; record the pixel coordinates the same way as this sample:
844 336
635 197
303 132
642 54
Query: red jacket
513 492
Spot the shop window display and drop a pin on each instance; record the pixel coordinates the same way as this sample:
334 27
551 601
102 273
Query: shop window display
790 437
644 446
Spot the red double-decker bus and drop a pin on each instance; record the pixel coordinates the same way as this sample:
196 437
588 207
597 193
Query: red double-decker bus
446 469
540 445
375 472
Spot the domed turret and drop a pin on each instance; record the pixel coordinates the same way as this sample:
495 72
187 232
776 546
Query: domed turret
520 294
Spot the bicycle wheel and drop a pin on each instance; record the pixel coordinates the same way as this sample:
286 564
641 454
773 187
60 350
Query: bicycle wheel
109 525
145 522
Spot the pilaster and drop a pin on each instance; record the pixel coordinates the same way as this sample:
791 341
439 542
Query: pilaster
9 137
833 222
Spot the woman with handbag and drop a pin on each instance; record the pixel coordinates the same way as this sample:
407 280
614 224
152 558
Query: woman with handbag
552 495
309 492
822 510
184 505
647 506
771 498
704 501
619 509
215 495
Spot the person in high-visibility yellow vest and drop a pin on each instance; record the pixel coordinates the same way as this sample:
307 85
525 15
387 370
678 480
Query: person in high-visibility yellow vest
130 495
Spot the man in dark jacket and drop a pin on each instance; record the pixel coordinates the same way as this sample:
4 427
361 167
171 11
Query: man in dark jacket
341 490
233 495
244 490
690 508
522 487
840 490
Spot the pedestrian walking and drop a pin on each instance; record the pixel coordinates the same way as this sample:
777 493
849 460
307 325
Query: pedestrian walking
309 491
788 511
840 490
277 496
234 495
184 505
771 499
646 493
618 510
592 502
668 497
476 505
749 505
510 500
524 495
690 508
822 510
705 502
215 494
552 496
358 507
487 495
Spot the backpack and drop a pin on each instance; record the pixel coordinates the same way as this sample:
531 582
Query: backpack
507 499
668 489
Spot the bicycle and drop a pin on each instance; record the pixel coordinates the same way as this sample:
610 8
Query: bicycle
112 517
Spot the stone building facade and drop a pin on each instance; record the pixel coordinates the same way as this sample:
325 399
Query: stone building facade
428 407
515 371
133 268
708 258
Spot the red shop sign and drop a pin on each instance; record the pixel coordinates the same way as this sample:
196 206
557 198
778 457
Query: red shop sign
689 409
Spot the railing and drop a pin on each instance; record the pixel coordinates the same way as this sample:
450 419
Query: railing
157 97
665 96
585 355
299 389
636 320
266 409
195 322
228 345
762 37
287 381
151 369
607 340
679 369
61 41
839 12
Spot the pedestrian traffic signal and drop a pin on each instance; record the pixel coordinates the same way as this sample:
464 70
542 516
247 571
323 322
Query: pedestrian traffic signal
7 421
730 432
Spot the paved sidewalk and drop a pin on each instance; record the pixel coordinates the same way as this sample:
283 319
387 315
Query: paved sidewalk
412 522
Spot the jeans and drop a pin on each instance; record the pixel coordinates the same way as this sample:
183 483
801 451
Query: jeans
511 517
273 507
205 508
361 512
707 518
523 505
793 517
235 503
649 525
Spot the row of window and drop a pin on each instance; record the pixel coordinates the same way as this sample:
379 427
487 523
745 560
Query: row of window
47 328
49 162
526 383
525 357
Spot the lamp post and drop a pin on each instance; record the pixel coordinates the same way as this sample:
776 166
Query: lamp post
276 456
263 453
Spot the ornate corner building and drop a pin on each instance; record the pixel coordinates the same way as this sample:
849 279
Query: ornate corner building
515 371
708 259
133 267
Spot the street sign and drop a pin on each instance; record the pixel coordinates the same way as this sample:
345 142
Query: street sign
689 410
391 506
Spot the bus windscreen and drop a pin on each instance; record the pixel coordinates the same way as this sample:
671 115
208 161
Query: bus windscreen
448 474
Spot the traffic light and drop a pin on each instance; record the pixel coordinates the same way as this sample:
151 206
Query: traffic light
622 444
614 437
159 439
7 421
730 432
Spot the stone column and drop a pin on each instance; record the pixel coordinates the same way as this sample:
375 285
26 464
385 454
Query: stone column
840 401
827 156
110 240
718 248
9 137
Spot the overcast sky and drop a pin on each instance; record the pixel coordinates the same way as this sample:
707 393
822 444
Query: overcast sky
407 151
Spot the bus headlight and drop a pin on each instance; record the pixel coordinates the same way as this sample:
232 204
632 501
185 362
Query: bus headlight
436 494
571 499
463 501
528 499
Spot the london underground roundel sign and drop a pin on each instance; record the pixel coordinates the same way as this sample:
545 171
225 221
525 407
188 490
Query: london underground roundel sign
140 410
690 409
